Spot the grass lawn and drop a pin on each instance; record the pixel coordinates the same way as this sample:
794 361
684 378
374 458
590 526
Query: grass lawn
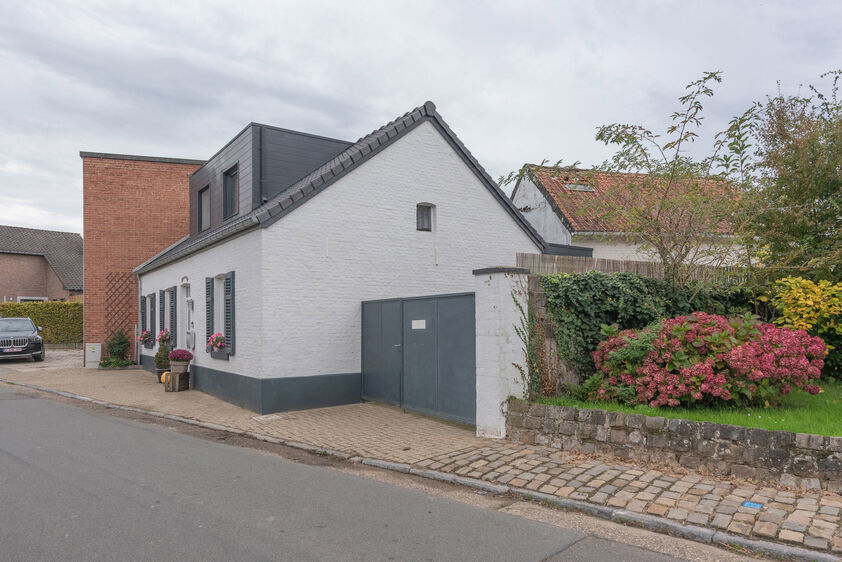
800 412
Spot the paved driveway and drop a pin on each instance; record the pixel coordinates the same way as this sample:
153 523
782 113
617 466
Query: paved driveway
56 359
370 430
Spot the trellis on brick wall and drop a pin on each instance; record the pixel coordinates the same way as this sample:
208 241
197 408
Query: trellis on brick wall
120 305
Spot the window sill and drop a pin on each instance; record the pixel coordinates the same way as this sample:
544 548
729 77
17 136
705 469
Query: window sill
148 345
219 355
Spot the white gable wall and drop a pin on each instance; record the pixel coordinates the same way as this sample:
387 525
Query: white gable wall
538 211
357 240
613 247
240 254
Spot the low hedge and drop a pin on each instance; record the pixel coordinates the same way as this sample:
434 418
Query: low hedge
62 321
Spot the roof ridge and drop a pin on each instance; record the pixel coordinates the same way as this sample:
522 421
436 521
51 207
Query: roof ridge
40 229
321 177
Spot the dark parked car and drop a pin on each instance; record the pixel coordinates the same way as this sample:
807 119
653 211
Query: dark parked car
19 338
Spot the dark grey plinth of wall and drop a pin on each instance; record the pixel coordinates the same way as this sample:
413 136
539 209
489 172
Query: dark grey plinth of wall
774 456
267 396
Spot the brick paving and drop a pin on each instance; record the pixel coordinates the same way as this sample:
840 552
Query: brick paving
367 430
802 517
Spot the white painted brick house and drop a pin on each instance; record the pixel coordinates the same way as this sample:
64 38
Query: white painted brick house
403 213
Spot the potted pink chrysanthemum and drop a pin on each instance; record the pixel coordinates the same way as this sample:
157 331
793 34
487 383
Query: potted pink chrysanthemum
179 360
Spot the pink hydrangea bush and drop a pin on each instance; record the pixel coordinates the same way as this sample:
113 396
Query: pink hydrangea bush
703 359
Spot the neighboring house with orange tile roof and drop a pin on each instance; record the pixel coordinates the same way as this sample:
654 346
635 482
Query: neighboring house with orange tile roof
570 206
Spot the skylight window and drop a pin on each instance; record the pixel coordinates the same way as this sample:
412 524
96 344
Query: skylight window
578 187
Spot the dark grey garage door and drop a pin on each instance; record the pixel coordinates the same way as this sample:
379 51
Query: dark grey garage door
420 354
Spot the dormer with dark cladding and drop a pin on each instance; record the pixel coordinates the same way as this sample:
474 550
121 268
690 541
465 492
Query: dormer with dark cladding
268 160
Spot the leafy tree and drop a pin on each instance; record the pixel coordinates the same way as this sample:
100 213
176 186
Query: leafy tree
797 178
680 210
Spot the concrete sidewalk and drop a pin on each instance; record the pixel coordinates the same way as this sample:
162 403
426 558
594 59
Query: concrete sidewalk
802 518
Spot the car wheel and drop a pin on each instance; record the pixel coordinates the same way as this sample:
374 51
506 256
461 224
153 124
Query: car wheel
39 357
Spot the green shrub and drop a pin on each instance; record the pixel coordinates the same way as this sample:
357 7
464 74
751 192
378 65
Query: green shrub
816 308
115 362
580 304
62 321
117 345
162 359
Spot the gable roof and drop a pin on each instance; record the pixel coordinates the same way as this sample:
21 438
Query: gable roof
578 208
322 177
62 250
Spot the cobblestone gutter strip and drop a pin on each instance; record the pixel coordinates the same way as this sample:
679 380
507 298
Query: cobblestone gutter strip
650 522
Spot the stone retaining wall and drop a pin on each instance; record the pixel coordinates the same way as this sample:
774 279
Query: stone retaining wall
788 458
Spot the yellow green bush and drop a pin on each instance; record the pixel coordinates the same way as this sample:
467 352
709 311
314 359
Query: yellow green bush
61 321
815 307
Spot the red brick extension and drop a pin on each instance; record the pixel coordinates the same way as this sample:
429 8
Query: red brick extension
134 207
29 276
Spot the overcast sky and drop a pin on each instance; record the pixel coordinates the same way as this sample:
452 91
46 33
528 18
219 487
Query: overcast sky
517 81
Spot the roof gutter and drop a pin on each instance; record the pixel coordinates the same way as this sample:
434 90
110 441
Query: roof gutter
223 233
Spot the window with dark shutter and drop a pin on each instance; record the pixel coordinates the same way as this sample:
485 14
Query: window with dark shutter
424 217
162 296
228 292
142 314
173 327
208 309
151 318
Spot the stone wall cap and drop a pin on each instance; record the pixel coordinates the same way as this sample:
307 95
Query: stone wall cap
161 159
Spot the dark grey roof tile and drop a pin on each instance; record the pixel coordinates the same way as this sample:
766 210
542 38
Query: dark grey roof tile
62 250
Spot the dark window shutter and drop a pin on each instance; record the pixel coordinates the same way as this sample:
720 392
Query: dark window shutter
208 309
173 327
142 314
163 305
229 312
152 316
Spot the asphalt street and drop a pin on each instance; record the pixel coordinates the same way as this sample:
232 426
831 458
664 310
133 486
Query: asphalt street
77 484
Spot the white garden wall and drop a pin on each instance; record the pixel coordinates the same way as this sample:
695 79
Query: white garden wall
498 346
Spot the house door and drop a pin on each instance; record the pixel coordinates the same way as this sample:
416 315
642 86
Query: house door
420 354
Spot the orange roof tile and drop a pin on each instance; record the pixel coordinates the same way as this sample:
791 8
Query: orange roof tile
583 197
